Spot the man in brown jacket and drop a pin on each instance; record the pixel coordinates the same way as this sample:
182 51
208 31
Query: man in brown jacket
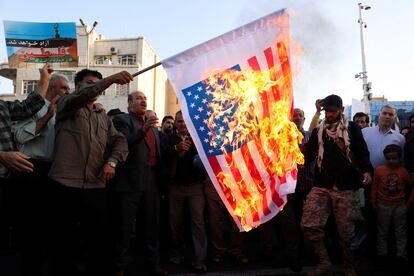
87 150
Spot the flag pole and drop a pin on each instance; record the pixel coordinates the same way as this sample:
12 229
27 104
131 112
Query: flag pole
146 69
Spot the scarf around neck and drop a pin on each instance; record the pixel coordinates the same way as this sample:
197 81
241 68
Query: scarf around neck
338 132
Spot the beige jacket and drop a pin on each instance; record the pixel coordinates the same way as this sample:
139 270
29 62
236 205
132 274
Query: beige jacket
85 140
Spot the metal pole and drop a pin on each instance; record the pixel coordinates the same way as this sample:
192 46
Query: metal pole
87 38
147 69
154 83
87 47
364 74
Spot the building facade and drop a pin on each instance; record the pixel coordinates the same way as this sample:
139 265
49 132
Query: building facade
108 56
404 110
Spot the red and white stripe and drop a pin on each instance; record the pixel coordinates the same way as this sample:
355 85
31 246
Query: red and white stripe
247 166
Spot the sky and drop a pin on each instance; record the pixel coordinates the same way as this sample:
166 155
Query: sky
327 30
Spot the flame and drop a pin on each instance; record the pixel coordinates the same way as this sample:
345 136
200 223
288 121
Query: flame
237 99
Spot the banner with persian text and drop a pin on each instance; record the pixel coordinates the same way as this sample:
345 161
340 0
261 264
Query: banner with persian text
29 42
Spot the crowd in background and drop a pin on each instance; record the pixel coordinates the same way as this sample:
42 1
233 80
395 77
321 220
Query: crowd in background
78 183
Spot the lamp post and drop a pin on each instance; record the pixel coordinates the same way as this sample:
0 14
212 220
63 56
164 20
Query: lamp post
366 86
87 38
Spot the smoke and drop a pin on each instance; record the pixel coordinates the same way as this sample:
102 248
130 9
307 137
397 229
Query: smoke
322 41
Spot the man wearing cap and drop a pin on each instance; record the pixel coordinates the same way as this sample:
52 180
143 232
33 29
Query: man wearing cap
342 165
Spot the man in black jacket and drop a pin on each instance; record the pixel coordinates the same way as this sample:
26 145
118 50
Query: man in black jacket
185 186
342 165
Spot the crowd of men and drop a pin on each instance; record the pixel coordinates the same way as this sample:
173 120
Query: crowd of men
78 183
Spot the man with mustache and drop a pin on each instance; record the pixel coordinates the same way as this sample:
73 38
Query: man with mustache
136 182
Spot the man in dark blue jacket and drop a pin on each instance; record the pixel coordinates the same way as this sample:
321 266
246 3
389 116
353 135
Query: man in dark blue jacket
136 182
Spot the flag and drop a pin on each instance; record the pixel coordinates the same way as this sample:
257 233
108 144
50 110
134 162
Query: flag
236 98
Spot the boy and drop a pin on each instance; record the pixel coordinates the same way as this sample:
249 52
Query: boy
387 197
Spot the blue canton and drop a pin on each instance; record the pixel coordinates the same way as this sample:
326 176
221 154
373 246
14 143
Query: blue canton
198 98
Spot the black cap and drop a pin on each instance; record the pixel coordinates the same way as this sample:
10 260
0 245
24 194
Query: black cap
332 102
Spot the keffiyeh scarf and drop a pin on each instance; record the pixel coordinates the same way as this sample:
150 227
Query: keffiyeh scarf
338 132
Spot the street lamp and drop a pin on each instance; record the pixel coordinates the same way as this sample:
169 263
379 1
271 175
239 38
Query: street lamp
87 38
366 86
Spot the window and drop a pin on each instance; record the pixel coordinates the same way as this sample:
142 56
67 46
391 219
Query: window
103 60
29 86
122 90
127 59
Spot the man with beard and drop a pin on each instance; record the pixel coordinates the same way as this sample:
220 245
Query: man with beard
361 119
167 124
342 165
185 188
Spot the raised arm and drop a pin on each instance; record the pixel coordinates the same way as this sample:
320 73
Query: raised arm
43 84
69 104
315 119
34 101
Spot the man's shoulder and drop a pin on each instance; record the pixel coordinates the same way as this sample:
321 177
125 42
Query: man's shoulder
370 132
126 117
369 129
399 135
102 114
395 136
353 126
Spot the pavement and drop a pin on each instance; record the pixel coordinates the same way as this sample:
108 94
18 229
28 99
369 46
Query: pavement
258 264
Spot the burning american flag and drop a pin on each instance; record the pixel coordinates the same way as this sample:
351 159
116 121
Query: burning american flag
236 97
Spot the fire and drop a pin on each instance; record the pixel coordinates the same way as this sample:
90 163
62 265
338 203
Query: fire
238 103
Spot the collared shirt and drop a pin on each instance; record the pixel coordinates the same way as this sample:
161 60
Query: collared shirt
377 141
37 146
14 111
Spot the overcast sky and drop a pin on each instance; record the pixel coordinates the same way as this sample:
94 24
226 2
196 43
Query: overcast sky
328 31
